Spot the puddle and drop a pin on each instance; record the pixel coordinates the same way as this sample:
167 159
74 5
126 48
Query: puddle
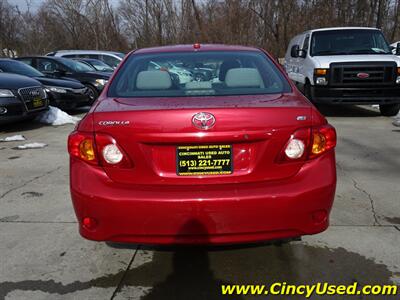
197 273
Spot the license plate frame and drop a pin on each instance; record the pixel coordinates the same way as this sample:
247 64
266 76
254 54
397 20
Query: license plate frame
202 160
37 103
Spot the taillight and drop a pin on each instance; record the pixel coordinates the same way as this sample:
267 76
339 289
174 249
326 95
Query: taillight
82 145
110 153
98 149
308 143
323 139
297 146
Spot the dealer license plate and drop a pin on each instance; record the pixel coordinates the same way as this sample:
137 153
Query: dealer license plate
197 160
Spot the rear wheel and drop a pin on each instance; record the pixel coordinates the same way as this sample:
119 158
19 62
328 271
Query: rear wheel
389 110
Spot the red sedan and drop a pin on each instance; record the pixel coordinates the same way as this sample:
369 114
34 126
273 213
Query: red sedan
167 157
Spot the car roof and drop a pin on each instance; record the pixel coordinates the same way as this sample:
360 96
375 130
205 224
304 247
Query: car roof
46 57
338 28
191 47
83 52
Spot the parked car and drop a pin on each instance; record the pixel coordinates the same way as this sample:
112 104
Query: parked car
244 160
200 71
63 68
111 58
21 98
345 65
395 48
65 94
98 65
180 75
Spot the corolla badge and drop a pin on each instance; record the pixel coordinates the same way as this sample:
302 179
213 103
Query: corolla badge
362 75
203 120
113 123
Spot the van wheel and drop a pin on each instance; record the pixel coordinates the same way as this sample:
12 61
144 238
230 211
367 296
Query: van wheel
389 110
307 91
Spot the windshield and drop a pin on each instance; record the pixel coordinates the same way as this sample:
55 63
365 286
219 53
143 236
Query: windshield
122 55
349 41
77 66
19 68
172 75
100 66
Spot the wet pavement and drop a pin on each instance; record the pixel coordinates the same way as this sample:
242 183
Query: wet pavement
42 255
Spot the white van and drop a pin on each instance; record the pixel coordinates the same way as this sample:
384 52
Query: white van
111 58
346 65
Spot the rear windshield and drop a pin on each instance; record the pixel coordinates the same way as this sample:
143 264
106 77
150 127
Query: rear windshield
198 74
348 42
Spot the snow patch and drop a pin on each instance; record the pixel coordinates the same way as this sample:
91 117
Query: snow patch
13 138
55 116
31 146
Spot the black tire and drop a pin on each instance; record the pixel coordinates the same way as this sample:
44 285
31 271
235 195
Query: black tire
199 77
307 91
92 93
389 110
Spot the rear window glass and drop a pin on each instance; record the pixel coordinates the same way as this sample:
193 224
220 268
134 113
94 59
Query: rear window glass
198 74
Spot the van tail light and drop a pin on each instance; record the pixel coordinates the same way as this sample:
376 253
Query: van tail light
99 149
308 143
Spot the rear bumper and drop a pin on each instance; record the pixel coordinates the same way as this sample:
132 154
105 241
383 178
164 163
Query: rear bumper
355 95
204 214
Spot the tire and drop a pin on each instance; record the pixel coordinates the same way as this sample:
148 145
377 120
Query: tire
199 77
389 110
92 93
307 91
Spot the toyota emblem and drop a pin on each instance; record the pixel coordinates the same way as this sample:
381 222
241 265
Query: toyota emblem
362 75
203 120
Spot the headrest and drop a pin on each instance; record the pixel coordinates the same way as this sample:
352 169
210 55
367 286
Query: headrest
153 80
243 77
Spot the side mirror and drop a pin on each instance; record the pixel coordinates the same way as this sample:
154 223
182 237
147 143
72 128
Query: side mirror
294 51
398 48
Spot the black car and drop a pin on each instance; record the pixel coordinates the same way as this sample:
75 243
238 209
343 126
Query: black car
65 94
97 64
64 68
21 98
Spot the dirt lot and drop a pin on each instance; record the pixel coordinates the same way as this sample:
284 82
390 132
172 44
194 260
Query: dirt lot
42 255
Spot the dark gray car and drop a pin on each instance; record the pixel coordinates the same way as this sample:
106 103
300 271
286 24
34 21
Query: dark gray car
21 98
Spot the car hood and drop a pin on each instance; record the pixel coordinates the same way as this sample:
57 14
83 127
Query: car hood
60 82
14 81
325 61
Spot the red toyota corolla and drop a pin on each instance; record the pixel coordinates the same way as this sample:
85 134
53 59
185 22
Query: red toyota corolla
201 144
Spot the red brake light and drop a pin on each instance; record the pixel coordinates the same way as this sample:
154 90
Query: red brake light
82 145
323 139
99 149
316 141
